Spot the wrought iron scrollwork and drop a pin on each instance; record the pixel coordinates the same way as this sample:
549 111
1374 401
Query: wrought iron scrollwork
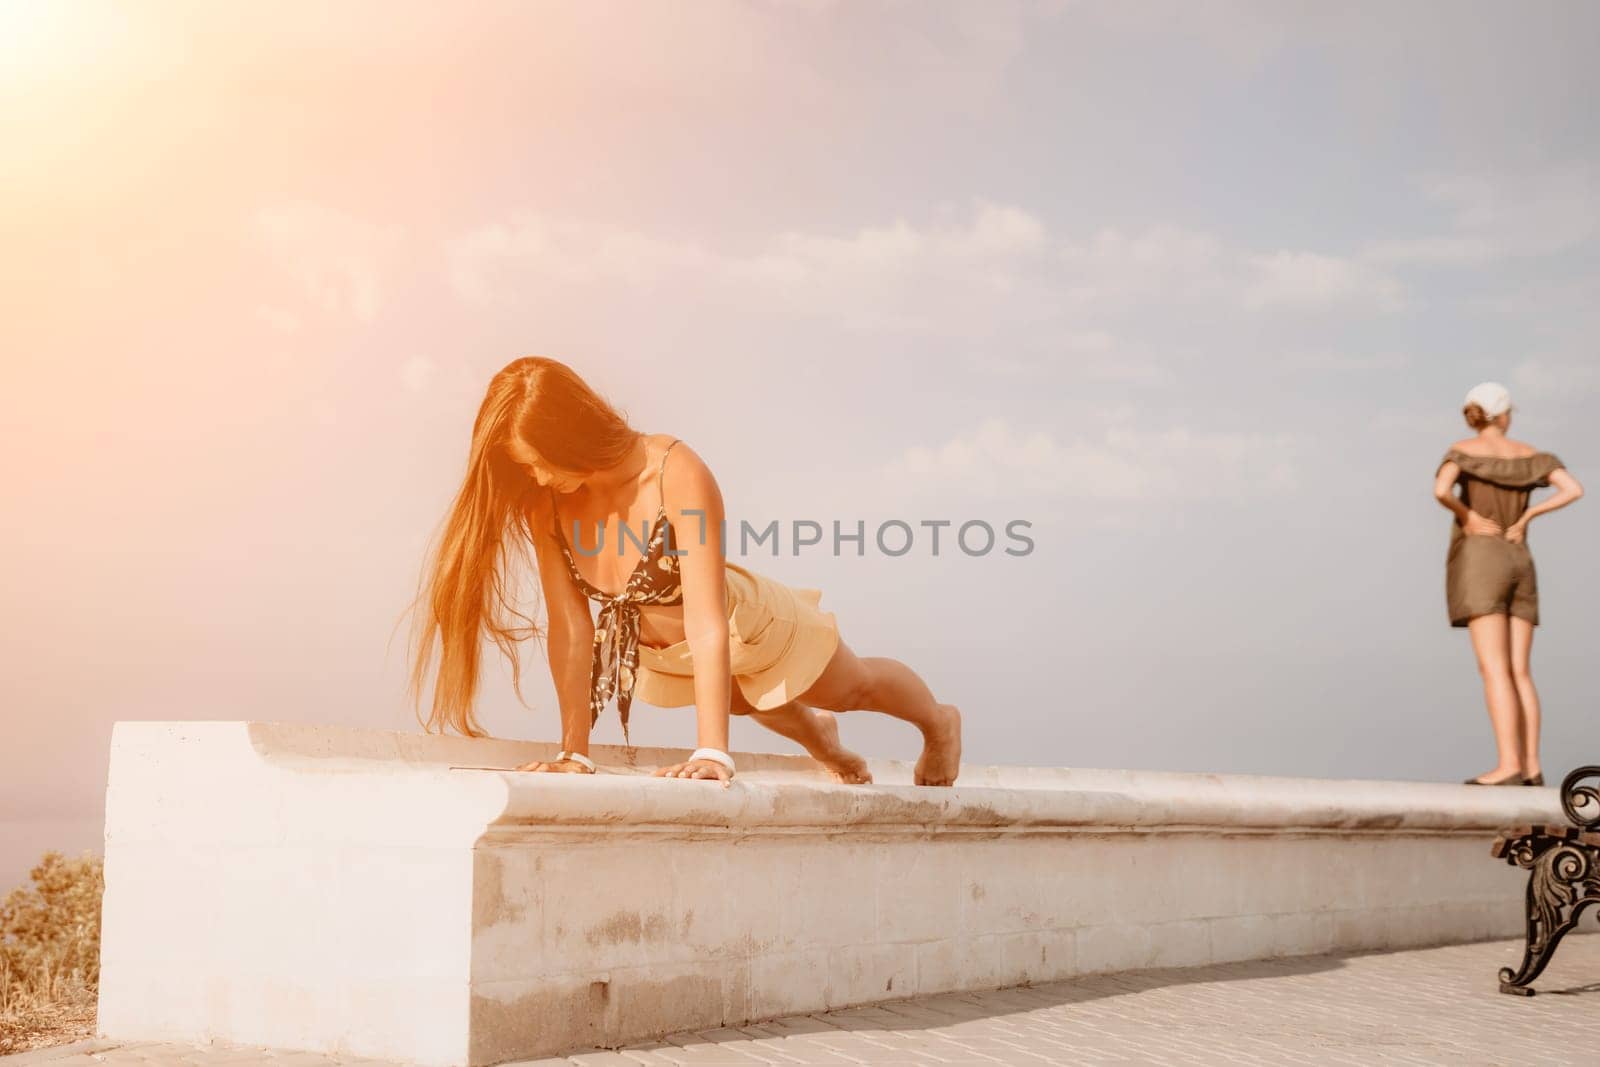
1564 875
1582 802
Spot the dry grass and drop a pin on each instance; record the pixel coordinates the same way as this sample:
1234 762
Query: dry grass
50 954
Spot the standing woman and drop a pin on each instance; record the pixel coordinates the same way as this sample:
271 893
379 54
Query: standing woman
678 623
1490 586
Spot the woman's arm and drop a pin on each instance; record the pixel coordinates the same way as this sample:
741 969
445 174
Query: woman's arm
1567 490
569 640
1444 491
694 507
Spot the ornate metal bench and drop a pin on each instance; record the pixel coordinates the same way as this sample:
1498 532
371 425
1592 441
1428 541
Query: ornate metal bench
1564 875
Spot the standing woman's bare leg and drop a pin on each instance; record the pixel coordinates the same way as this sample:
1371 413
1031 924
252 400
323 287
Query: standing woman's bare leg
1527 695
877 683
1491 642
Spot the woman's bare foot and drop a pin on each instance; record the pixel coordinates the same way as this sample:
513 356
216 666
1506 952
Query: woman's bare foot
941 749
844 765
817 731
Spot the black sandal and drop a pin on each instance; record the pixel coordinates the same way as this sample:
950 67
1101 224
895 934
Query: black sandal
1537 779
1515 779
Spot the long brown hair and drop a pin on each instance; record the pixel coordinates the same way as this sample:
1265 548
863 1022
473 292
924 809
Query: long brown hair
466 591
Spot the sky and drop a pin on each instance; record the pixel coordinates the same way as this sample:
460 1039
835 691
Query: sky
1193 290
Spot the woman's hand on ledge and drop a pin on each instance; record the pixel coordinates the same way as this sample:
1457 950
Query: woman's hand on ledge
699 768
564 766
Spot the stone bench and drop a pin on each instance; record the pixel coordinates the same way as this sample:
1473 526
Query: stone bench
383 894
1563 865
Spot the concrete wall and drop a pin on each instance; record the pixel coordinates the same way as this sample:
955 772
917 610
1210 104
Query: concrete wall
378 894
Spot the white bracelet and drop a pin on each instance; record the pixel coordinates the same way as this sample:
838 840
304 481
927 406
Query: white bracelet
715 755
576 757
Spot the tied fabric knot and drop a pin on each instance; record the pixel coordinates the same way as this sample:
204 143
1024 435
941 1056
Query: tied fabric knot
615 666
616 658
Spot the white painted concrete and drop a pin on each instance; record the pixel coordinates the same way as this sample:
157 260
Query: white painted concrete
373 894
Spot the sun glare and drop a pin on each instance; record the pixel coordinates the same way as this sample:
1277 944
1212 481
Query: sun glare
40 39
28 29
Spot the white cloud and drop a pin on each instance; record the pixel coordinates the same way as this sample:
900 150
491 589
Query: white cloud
1127 371
996 234
1000 264
1328 360
997 459
1309 280
1163 249
948 275
1523 214
1113 269
1122 270
568 251
1102 358
1567 302
338 259
1091 355
1442 251
493 261
1493 216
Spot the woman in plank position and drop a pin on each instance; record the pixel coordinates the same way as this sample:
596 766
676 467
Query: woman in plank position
1490 586
678 622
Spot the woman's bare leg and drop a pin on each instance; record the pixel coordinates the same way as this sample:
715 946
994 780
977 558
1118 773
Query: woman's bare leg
815 730
1527 695
1492 643
876 683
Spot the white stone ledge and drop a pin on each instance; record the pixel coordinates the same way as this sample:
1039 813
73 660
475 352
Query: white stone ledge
382 894
790 792
1102 801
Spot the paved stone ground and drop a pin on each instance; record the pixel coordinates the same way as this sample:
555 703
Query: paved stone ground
1435 1006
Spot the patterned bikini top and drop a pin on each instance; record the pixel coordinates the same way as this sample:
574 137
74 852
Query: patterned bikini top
654 580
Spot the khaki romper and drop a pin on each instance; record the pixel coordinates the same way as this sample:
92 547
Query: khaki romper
1484 574
779 642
